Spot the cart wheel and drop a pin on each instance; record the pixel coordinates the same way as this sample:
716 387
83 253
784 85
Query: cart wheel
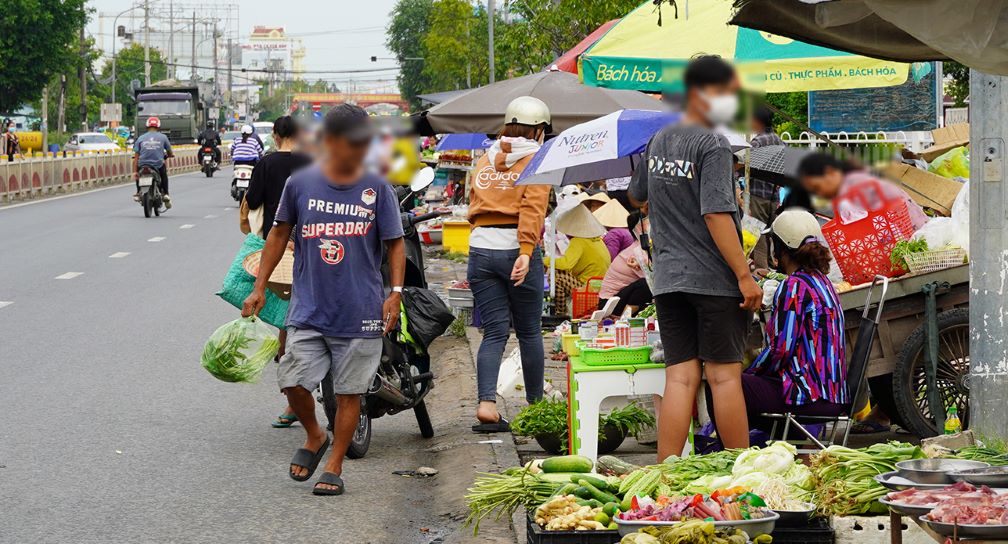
910 378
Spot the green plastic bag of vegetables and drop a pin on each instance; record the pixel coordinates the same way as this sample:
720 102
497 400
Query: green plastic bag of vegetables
238 351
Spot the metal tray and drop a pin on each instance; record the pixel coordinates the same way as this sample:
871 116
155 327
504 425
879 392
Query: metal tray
752 527
892 480
796 517
988 476
995 532
935 471
907 509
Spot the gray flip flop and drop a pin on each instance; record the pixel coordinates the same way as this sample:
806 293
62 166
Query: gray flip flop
329 478
308 459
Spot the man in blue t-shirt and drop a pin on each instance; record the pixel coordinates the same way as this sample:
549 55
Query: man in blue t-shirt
340 217
152 149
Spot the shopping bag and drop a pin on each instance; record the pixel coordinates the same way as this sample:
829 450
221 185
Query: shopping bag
238 351
862 247
427 316
238 284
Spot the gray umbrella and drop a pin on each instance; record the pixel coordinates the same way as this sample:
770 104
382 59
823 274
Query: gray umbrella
482 109
777 164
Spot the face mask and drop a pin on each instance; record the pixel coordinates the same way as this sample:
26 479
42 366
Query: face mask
721 109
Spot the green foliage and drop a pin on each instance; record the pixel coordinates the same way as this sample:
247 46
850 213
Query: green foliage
903 248
36 42
451 46
631 419
547 416
958 85
410 23
130 66
795 106
458 327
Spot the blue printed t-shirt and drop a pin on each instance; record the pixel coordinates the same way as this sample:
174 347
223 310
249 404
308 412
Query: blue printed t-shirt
338 235
151 148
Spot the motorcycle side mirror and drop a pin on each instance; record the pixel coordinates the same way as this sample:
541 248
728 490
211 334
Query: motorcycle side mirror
422 179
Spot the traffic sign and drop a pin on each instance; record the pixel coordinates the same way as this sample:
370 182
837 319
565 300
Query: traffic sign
111 113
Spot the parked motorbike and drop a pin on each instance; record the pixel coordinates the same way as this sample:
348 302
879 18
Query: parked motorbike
208 165
151 197
240 182
404 377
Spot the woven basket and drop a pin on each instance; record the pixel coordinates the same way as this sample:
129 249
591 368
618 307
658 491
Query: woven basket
931 261
282 277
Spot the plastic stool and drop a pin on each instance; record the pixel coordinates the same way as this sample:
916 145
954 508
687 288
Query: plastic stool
588 386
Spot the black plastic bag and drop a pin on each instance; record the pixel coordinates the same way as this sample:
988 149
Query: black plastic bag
427 316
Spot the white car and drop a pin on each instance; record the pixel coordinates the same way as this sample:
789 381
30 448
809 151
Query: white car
90 141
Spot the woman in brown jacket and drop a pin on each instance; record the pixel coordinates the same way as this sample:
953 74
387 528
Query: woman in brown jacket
505 260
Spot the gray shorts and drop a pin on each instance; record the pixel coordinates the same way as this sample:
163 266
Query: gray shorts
310 355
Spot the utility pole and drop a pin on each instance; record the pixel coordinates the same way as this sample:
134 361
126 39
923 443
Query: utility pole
82 72
490 35
216 81
45 120
171 40
61 119
192 75
146 43
988 308
230 79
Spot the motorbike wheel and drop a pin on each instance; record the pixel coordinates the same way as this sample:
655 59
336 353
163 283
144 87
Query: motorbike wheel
361 440
209 172
423 420
156 204
147 204
240 196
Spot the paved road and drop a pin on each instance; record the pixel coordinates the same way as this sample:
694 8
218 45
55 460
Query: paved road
114 433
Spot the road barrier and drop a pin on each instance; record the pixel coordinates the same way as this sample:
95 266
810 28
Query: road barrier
38 175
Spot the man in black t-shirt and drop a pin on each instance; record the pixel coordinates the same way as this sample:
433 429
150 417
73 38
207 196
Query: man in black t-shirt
210 138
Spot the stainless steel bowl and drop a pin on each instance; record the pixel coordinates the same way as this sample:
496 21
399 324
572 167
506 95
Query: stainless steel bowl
752 527
935 471
907 509
892 480
796 517
990 532
988 476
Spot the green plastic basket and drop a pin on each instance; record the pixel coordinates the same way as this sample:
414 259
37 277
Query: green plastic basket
614 356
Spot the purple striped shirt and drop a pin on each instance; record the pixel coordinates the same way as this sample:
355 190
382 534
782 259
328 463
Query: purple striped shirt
805 341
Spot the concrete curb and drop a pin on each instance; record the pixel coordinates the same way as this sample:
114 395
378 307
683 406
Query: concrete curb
505 453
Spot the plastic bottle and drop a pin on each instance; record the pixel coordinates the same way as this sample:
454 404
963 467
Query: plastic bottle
952 423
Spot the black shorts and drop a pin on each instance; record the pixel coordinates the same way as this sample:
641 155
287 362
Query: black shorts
706 327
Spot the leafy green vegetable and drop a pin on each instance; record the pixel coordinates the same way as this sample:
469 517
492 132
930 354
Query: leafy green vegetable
845 478
504 494
239 350
680 472
777 458
631 419
549 416
903 248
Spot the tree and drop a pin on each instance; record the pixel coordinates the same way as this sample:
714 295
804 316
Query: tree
96 92
958 86
410 23
130 66
449 43
795 108
36 38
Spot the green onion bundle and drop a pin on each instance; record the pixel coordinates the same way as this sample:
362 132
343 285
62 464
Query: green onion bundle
845 478
504 494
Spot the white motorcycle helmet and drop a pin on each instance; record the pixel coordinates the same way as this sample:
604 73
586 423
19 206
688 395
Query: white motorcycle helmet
246 129
527 110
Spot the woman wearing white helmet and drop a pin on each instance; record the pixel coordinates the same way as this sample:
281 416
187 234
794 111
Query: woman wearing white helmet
505 260
247 150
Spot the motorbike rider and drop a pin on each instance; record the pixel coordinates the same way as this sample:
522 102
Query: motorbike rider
210 138
246 150
152 149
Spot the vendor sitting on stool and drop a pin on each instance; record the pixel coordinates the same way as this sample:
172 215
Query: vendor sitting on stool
803 369
586 256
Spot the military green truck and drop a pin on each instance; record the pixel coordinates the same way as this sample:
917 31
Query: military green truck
178 106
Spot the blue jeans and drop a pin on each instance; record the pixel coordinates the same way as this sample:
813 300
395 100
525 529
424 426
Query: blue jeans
501 304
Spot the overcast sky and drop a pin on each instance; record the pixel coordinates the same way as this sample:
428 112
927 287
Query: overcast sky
345 33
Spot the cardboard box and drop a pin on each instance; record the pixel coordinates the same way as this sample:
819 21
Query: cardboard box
946 138
927 189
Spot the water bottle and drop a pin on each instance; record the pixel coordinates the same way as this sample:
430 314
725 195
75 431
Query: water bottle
952 423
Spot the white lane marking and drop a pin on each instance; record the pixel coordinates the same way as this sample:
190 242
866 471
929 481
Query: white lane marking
68 276
211 216
156 239
4 303
227 208
187 226
118 254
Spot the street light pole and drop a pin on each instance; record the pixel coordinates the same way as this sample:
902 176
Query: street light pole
115 41
146 43
491 8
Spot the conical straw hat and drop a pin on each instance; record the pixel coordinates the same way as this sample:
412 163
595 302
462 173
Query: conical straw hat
599 197
580 223
612 215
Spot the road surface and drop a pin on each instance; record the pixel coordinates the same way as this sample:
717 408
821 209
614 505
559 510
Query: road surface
114 433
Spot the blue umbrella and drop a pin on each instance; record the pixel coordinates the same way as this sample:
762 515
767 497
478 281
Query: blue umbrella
453 142
607 147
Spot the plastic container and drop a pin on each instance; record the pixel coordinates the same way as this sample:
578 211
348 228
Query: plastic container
615 356
932 261
584 300
862 247
536 535
815 531
455 236
568 342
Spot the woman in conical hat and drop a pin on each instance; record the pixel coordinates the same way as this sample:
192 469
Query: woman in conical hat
613 217
586 257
